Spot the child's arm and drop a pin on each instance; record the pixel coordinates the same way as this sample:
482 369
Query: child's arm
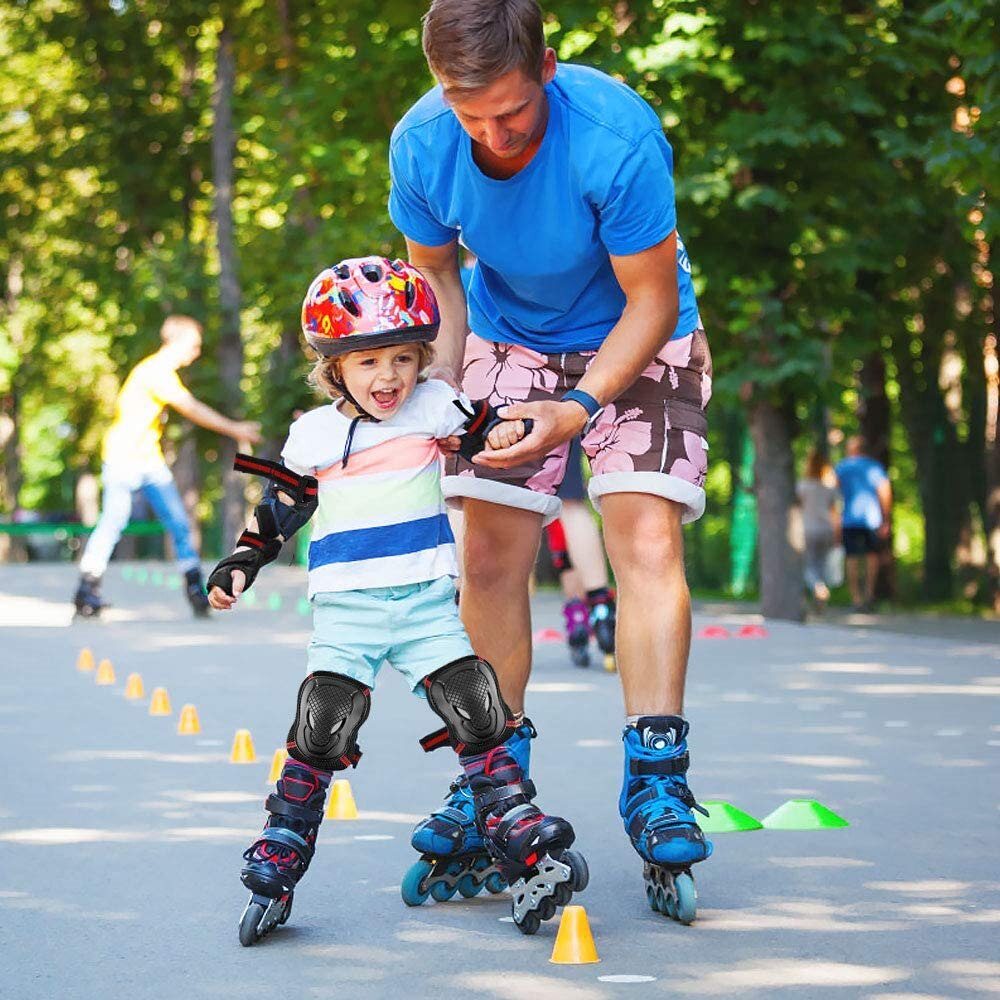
288 503
486 428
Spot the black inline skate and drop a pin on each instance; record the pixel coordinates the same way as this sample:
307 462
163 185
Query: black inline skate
87 599
279 857
194 587
656 806
578 631
453 855
602 623
530 848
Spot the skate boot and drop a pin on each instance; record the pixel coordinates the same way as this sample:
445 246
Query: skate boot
656 806
194 587
530 848
453 856
87 599
602 622
279 857
577 632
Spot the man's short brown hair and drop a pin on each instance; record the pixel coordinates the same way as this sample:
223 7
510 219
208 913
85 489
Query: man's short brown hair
470 44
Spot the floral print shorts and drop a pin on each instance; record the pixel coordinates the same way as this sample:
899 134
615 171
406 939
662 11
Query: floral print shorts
651 439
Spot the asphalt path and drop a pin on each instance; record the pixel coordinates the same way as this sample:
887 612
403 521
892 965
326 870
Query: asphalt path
121 841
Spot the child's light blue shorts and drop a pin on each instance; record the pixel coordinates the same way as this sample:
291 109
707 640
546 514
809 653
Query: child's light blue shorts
414 626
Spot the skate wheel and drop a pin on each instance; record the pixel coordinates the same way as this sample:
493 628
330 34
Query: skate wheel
495 883
468 887
286 911
609 663
563 894
578 865
529 925
654 903
660 900
546 908
442 891
413 889
249 923
687 899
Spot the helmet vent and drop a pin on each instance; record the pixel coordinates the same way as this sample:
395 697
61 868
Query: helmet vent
349 304
342 271
411 294
372 272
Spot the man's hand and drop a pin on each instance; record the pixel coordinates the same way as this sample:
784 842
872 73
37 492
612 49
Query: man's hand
220 600
246 431
554 423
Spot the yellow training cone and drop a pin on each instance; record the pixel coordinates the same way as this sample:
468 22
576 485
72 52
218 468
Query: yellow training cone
277 763
134 689
85 661
189 724
574 942
242 752
105 673
160 702
341 804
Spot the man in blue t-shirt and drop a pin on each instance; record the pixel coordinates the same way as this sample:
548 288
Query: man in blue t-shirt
581 315
867 495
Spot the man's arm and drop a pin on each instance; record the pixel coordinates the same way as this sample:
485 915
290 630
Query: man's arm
649 281
204 416
439 265
884 490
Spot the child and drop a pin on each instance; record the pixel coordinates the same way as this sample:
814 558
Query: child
381 566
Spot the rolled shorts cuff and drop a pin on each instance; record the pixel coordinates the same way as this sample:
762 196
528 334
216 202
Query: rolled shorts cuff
658 484
457 487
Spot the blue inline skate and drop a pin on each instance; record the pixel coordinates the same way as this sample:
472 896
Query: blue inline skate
453 855
656 805
279 857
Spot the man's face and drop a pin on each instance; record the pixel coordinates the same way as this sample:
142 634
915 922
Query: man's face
509 115
188 346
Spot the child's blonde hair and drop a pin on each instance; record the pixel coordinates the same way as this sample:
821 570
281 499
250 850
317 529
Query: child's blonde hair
327 378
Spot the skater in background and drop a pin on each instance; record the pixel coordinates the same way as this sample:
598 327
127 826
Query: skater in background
583 318
133 460
818 496
578 558
866 519
366 469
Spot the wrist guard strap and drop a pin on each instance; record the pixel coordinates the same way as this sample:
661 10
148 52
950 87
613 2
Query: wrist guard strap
258 553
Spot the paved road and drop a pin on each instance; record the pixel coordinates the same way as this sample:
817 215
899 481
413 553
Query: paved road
120 840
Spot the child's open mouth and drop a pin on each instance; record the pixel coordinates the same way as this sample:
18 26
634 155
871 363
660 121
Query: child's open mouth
386 399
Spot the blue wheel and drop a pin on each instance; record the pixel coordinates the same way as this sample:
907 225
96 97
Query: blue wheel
495 883
442 891
411 889
651 897
687 898
468 887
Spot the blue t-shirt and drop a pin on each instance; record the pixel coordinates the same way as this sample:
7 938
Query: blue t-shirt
859 479
600 183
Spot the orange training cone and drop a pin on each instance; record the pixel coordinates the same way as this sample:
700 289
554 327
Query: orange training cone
189 724
277 763
105 673
242 752
341 804
574 942
160 702
85 661
134 689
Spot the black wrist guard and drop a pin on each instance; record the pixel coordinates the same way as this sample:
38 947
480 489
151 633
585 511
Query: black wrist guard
250 560
482 418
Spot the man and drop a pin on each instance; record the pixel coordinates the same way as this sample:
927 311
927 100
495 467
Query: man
866 519
559 179
132 460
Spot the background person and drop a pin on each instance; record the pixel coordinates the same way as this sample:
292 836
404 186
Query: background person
133 459
817 493
866 519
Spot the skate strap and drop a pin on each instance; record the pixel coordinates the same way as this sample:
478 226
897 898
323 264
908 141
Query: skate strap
489 800
512 818
277 805
254 541
434 741
288 838
300 487
670 765
451 814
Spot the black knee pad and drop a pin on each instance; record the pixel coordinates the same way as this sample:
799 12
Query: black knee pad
466 695
331 710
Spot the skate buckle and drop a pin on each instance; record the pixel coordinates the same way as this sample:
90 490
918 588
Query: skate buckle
529 893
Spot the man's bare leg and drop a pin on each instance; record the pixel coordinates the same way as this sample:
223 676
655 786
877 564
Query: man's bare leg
643 537
500 546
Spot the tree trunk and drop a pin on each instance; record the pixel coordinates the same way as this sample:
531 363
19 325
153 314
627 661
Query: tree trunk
230 345
874 421
781 542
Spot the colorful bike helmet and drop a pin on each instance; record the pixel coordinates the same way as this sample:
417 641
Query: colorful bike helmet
367 302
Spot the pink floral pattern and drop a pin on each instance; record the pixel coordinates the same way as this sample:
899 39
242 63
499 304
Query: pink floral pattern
615 440
505 373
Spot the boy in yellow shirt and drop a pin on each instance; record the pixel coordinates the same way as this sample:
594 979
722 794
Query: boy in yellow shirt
132 459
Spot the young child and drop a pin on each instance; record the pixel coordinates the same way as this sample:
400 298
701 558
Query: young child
366 468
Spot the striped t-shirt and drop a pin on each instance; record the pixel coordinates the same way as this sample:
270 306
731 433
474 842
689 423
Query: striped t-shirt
381 519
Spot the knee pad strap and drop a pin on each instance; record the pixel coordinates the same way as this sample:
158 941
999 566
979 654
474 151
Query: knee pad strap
331 710
466 695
